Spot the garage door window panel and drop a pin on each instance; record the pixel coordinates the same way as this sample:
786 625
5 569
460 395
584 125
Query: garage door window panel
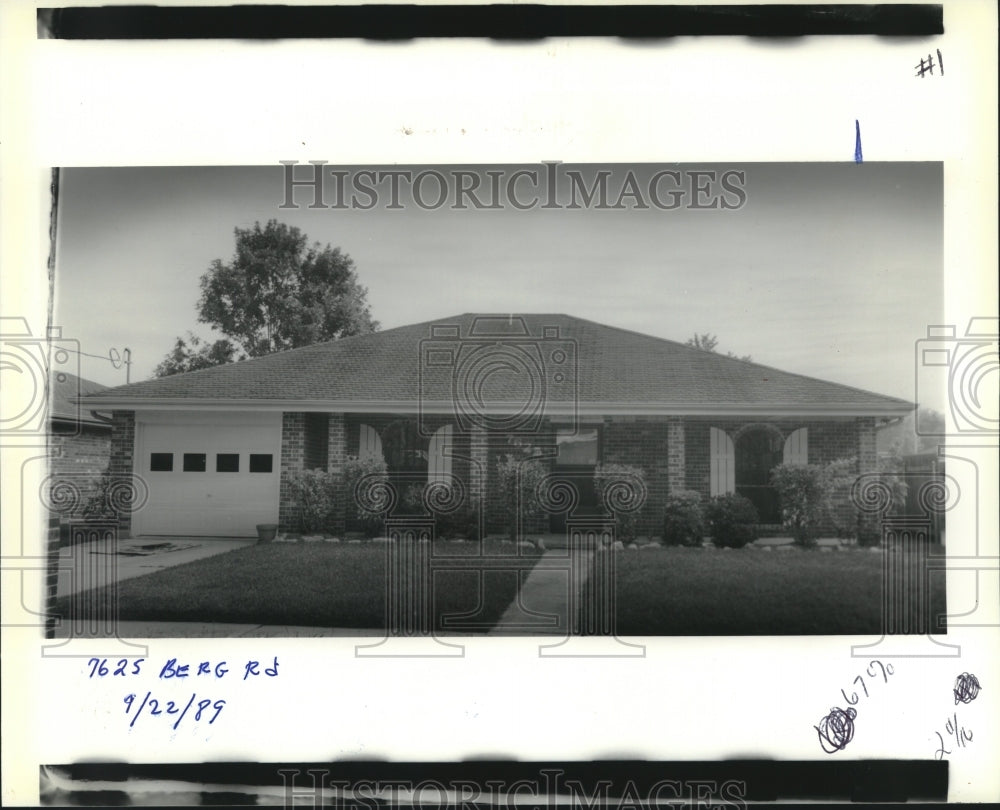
261 462
161 462
194 462
227 462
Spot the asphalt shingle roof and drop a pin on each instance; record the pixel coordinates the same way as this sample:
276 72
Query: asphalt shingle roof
598 364
63 387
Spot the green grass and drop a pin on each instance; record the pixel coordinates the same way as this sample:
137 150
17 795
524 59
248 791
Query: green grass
682 591
307 584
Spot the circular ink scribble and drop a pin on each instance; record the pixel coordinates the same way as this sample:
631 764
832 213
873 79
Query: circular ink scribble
836 730
966 688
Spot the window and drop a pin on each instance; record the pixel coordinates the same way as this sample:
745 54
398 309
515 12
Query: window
194 462
260 462
227 462
758 451
161 462
576 447
403 448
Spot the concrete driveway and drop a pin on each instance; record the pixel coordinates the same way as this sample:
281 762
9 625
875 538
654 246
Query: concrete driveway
91 565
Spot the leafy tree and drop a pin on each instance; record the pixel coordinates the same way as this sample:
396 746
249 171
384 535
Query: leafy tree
193 353
709 343
277 292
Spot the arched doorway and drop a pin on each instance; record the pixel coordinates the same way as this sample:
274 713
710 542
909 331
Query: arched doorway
758 451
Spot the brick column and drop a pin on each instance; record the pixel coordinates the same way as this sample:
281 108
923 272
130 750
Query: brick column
478 471
292 458
867 463
336 455
676 456
122 462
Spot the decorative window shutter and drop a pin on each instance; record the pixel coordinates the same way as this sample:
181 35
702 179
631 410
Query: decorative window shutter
797 447
722 479
439 456
370 444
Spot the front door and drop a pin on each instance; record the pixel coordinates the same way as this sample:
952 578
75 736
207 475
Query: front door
577 451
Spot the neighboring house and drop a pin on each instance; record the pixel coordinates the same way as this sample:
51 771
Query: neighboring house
79 441
444 400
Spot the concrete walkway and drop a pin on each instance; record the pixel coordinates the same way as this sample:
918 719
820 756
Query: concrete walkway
92 565
548 598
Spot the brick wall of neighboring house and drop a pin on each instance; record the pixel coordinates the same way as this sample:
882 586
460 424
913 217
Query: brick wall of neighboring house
79 456
122 462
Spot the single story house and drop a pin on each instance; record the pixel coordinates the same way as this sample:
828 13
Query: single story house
445 400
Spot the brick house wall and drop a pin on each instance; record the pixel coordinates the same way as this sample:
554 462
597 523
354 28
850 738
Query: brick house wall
122 460
828 441
79 455
644 442
292 459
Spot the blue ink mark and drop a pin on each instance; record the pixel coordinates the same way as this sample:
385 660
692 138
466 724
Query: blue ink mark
184 712
858 158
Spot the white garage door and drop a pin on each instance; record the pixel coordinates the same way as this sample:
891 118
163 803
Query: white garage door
208 475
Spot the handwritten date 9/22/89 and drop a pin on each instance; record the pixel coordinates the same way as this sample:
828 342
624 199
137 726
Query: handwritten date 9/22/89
153 707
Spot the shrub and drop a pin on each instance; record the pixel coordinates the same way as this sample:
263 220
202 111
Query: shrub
462 523
843 512
366 483
684 519
517 482
732 520
315 495
803 490
621 488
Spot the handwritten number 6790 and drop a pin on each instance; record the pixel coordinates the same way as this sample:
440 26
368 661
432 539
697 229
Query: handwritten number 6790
886 671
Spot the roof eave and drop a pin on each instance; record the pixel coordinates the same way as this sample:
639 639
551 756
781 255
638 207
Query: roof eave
567 409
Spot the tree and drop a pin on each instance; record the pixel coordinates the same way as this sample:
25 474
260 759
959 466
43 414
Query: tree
277 292
193 354
708 343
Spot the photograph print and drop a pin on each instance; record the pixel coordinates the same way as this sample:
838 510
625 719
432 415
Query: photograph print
547 399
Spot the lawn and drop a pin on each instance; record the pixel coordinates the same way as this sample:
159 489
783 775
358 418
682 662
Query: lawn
695 591
311 585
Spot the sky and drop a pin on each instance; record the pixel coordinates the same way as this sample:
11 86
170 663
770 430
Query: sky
833 270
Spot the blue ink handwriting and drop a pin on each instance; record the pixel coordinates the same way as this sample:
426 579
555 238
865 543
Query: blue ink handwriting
171 708
100 667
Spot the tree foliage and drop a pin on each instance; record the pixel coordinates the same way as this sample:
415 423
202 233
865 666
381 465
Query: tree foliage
708 342
192 354
277 292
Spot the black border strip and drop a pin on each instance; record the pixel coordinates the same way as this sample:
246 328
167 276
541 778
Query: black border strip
735 782
507 22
